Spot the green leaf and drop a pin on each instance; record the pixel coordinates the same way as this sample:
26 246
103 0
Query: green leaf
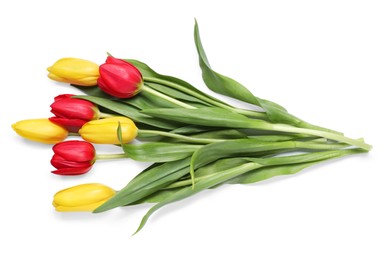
221 134
203 184
176 94
233 174
231 88
276 170
156 197
207 116
159 151
130 112
193 129
234 148
147 72
242 147
147 182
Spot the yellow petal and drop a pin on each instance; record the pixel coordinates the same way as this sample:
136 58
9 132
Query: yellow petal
75 71
84 197
104 131
40 130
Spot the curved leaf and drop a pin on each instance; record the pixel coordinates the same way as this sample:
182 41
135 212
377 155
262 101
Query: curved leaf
231 88
146 71
147 182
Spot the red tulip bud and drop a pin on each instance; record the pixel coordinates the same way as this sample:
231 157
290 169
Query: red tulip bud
119 78
73 157
72 113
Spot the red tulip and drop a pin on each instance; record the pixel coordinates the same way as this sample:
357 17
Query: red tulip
73 157
72 113
119 78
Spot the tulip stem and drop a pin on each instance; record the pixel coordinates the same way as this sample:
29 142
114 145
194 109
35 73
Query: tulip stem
110 156
178 136
205 98
168 98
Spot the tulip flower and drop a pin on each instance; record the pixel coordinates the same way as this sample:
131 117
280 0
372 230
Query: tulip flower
84 197
73 157
119 78
40 130
75 71
104 131
73 113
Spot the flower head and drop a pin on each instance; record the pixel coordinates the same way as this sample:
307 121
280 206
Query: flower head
75 71
40 130
72 113
84 197
73 157
104 131
119 78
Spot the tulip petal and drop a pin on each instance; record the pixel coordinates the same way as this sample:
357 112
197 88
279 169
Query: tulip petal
72 125
83 195
75 150
72 171
40 130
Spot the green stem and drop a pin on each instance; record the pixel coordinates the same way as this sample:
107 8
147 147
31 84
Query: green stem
168 98
110 156
180 137
205 98
332 136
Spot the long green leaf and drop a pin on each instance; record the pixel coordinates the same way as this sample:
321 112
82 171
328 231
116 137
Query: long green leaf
277 170
207 116
176 94
131 112
224 176
231 88
147 182
242 147
203 184
159 151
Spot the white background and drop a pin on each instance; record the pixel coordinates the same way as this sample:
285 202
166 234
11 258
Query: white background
328 62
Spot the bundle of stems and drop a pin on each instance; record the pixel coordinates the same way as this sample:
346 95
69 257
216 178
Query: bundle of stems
197 141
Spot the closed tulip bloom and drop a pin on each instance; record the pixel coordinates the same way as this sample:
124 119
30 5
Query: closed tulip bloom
75 71
73 113
84 197
104 131
73 157
40 130
119 78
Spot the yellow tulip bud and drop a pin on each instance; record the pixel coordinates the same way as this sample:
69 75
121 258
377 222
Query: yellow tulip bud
40 130
84 197
75 71
104 131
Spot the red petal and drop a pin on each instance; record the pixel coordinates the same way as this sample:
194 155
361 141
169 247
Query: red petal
75 150
72 171
72 125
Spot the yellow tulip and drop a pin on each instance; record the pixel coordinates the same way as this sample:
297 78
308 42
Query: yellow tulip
75 71
104 131
84 197
40 130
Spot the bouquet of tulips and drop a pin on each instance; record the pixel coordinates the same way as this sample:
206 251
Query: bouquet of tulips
195 141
